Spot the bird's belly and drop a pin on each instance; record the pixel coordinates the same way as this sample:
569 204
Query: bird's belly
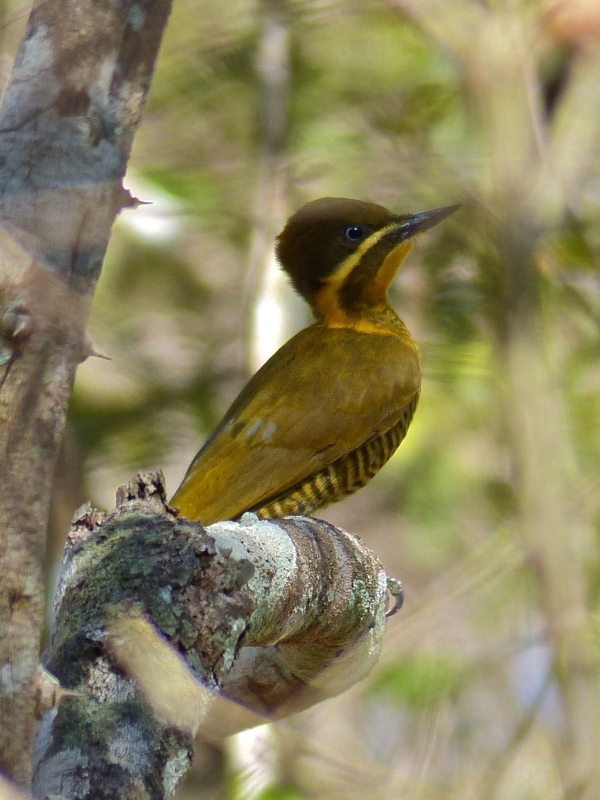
342 477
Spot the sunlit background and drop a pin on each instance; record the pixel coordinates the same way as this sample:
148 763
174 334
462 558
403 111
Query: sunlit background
489 685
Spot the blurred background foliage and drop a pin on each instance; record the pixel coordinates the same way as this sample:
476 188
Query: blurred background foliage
489 686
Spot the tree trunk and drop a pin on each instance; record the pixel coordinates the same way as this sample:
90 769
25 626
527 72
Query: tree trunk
75 99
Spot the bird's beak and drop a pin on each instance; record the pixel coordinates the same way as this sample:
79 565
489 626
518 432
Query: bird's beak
411 224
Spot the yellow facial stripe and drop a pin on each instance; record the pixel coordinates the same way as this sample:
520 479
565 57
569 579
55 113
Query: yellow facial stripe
327 301
352 261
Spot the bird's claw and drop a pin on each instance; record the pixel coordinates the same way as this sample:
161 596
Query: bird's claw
394 587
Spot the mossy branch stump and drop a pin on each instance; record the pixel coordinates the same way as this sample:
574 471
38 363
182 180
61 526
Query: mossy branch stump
160 624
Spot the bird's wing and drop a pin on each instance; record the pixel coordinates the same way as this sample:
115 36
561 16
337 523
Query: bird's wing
300 412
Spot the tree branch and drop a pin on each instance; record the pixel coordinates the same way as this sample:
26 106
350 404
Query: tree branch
158 620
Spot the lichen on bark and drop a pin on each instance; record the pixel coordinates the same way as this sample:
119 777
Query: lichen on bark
160 624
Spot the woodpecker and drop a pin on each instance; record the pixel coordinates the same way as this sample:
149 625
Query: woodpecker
327 411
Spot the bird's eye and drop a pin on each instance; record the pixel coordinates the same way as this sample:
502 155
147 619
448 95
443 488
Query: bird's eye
354 233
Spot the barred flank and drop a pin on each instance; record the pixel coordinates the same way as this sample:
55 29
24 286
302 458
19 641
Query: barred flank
344 477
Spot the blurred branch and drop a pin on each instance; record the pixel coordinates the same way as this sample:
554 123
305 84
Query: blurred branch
556 534
534 170
574 134
157 619
560 546
269 288
499 766
67 122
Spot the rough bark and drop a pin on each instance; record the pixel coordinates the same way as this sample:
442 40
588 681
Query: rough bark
67 122
158 621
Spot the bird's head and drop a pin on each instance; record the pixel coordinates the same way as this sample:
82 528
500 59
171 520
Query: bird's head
344 254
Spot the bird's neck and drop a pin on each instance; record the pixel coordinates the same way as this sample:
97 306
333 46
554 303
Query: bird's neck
356 296
365 318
